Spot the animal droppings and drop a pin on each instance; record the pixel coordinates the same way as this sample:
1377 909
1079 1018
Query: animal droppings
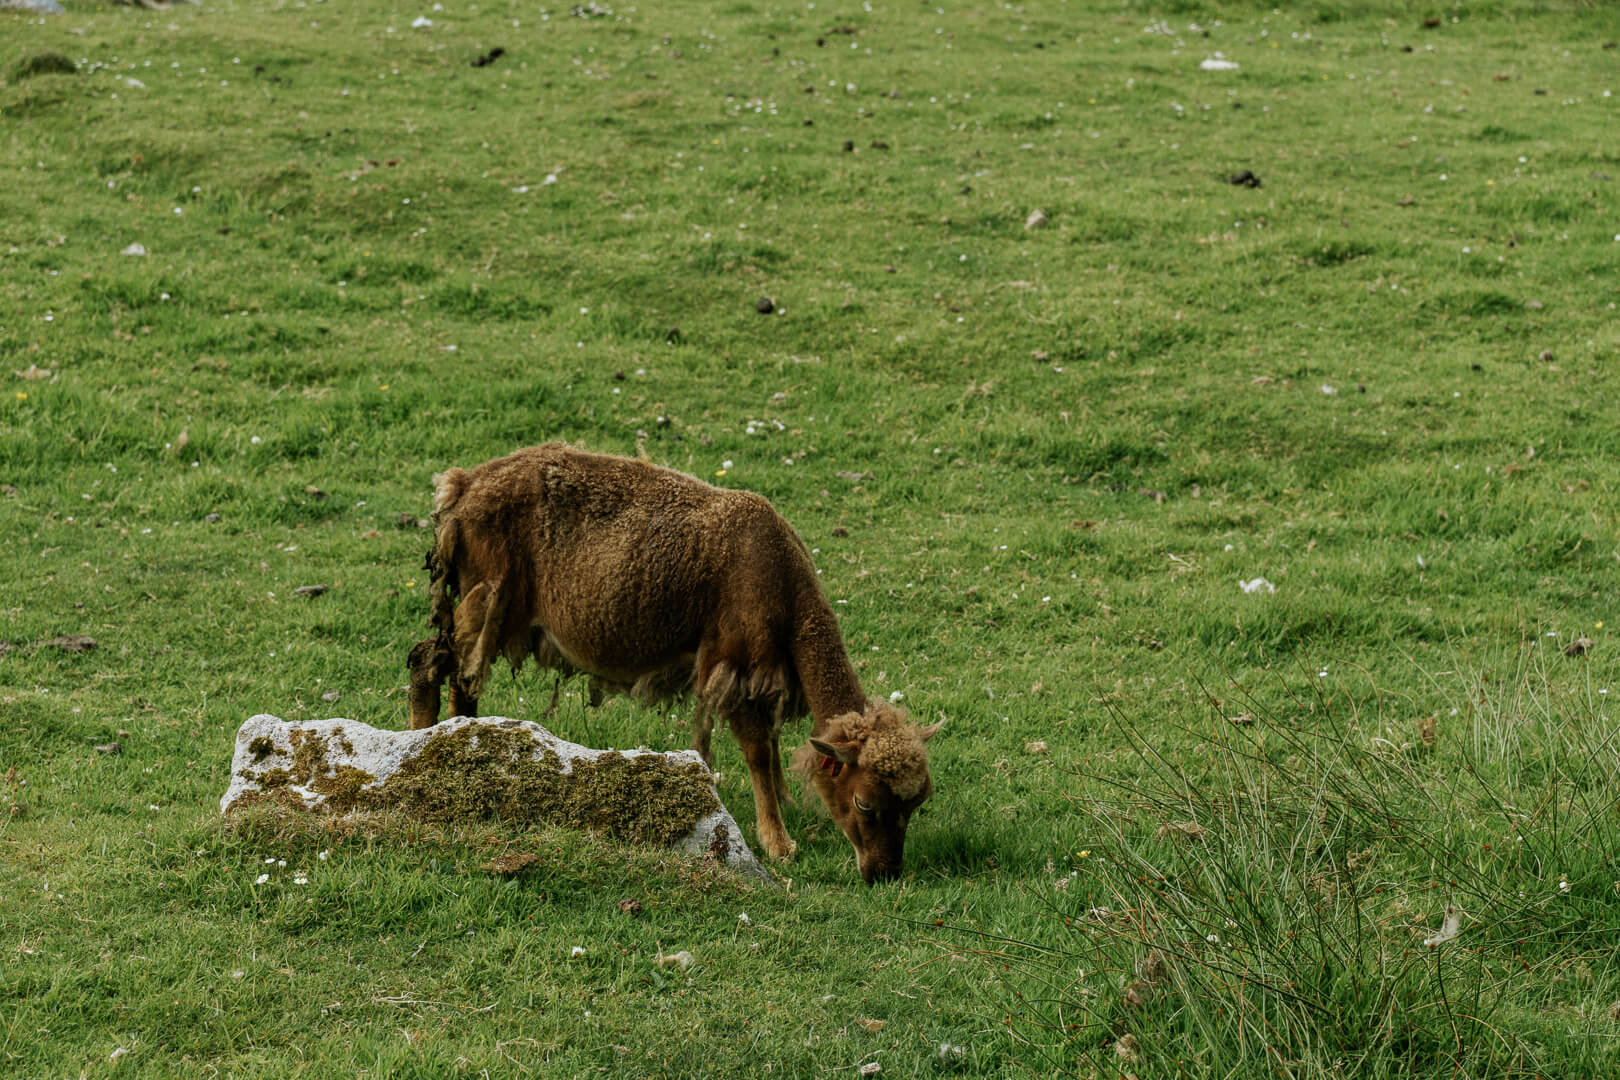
1182 830
682 960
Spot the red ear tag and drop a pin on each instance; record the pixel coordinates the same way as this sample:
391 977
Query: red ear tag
830 764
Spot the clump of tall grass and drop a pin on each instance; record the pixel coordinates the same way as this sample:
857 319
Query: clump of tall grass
1331 885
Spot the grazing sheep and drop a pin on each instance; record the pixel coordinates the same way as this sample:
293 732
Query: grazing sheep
655 583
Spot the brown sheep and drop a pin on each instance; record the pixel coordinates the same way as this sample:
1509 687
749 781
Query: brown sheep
656 583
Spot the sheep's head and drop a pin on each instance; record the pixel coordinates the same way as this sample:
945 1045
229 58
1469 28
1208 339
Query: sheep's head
871 769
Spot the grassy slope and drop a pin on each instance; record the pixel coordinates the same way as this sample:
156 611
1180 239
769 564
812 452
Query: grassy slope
323 229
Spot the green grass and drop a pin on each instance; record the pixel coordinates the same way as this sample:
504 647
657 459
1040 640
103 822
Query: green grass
1384 380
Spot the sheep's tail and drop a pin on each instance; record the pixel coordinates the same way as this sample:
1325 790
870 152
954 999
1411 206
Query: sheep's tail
441 561
447 489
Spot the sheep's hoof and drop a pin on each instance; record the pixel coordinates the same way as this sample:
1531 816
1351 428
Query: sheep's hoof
782 851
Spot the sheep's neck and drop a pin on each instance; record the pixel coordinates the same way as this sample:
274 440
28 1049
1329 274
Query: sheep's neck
831 687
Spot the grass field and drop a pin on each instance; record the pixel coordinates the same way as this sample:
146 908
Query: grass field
1035 464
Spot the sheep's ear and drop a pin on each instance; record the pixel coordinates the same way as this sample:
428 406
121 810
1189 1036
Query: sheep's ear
847 752
930 731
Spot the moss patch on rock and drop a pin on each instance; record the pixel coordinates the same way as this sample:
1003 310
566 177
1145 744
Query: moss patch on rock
485 771
341 785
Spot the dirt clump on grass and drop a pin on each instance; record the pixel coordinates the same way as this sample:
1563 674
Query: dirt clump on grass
512 865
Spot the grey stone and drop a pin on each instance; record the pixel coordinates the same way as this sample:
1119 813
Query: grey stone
38 7
264 749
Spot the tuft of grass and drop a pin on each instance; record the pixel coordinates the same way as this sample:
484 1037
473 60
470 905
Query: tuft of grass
47 62
1342 886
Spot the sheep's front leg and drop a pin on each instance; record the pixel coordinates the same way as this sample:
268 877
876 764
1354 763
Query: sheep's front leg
759 747
702 729
778 780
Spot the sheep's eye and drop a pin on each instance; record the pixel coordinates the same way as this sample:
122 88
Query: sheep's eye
862 805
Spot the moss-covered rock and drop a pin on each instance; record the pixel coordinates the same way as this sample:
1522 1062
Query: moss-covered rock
489 768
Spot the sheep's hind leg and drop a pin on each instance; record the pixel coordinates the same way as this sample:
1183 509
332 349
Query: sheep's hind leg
430 663
477 642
